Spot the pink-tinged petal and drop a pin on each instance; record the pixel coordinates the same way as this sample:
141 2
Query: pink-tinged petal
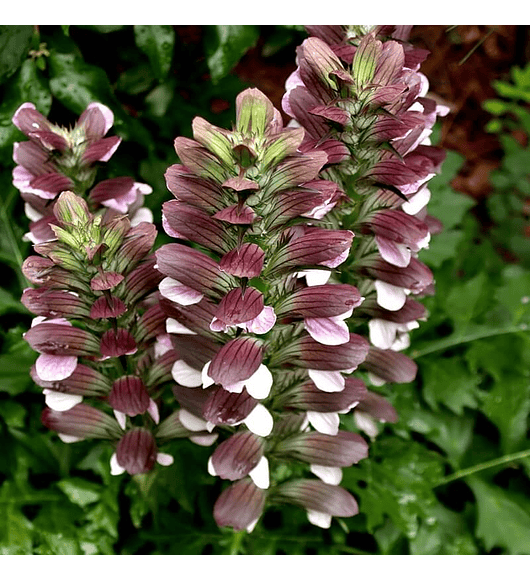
236 361
245 261
235 457
390 366
331 331
164 459
366 423
61 401
318 496
204 440
259 421
48 185
239 506
117 193
393 253
308 397
320 301
384 333
195 224
117 343
29 120
186 375
314 355
327 423
107 307
224 408
236 214
136 452
329 475
260 383
239 306
389 296
95 120
153 411
260 474
176 292
263 322
101 150
327 381
194 190
105 280
129 395
81 421
62 339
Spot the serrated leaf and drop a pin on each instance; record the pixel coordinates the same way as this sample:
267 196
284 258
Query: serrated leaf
226 45
15 41
501 522
157 42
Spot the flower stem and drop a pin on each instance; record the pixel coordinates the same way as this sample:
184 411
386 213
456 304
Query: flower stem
482 466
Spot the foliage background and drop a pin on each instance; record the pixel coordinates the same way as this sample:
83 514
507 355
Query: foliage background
452 476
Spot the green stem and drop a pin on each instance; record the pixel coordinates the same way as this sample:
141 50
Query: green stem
237 540
482 466
452 341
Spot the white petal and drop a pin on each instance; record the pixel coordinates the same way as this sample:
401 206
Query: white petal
327 423
260 383
164 459
115 467
390 297
204 440
417 201
366 423
175 327
153 411
211 468
330 475
205 378
329 331
61 401
69 438
259 421
319 519
382 333
260 474
176 292
191 421
121 418
185 375
142 214
315 277
327 381
393 253
53 367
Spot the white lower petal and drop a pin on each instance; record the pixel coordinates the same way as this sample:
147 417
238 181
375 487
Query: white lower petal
390 297
69 438
327 381
260 383
259 421
164 459
327 423
186 375
204 440
115 467
176 292
53 367
61 401
329 475
330 331
175 327
260 474
319 519
191 422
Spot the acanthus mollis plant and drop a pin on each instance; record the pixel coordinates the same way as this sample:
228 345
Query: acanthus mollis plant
104 358
360 97
265 357
57 159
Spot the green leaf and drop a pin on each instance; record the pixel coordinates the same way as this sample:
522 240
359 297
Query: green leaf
79 491
501 521
14 368
15 41
226 44
158 43
448 382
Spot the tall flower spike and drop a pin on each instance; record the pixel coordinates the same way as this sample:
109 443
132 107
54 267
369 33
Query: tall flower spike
254 340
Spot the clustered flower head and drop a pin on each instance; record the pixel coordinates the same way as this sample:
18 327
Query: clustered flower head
57 159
